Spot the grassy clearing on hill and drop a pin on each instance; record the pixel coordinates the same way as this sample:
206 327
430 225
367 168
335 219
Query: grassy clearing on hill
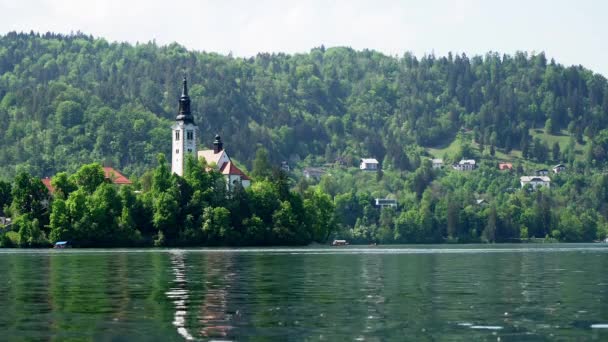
563 138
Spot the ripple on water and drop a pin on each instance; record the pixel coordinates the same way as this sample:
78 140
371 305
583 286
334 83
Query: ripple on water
487 327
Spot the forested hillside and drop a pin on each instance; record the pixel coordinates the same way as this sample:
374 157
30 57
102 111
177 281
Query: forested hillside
70 100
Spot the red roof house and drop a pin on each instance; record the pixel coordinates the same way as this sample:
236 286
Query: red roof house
115 176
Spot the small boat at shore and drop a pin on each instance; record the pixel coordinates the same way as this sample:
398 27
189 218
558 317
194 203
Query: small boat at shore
339 243
62 244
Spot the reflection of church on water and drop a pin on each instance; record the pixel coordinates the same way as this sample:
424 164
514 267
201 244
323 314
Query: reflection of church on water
200 293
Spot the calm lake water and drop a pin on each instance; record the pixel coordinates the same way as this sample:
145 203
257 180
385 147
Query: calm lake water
421 293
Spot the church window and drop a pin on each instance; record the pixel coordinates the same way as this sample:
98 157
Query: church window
189 135
177 151
176 135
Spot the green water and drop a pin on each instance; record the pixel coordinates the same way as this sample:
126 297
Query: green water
418 293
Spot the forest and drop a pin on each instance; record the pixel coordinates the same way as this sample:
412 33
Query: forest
67 101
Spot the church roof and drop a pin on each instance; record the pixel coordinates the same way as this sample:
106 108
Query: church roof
210 156
184 113
231 169
115 176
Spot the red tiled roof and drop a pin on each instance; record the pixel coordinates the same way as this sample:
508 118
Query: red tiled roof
47 182
231 169
505 166
115 176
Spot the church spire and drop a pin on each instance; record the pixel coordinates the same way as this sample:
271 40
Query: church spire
184 113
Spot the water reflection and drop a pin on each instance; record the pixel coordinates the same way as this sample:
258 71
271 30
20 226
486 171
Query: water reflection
300 294
214 317
179 293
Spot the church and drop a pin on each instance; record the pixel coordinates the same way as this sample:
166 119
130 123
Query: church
184 143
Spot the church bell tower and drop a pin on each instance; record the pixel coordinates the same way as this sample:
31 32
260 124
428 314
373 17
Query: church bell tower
184 134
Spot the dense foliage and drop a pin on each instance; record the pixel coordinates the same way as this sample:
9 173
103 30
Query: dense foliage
66 101
70 100
195 210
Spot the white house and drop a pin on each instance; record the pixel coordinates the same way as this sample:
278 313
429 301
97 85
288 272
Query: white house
542 172
386 202
559 168
219 159
313 172
437 163
465 165
368 164
535 181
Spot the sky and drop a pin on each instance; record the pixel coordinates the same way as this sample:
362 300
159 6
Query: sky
572 32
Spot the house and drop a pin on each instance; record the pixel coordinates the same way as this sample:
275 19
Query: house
535 181
285 166
111 175
505 166
219 159
559 168
368 164
437 163
541 172
115 177
465 165
386 202
313 172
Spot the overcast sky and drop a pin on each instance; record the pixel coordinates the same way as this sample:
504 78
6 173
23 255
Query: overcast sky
572 32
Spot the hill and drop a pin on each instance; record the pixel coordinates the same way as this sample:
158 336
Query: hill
70 100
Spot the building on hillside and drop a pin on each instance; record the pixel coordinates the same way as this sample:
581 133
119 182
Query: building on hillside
219 159
386 203
465 165
184 133
285 166
559 168
313 172
368 164
505 166
541 172
535 181
437 163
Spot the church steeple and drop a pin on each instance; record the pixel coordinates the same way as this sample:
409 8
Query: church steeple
184 134
184 113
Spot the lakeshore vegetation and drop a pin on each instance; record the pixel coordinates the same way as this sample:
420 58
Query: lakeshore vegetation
67 102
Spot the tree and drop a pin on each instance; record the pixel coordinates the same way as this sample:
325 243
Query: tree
555 152
261 164
62 185
5 196
88 177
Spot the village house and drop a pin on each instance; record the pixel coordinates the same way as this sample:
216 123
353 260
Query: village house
559 168
542 172
386 203
313 172
368 164
505 166
437 163
465 165
535 181
111 175
285 166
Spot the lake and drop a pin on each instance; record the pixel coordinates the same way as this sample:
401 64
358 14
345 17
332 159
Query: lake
421 293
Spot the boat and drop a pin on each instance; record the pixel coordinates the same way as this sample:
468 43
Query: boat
62 244
339 243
